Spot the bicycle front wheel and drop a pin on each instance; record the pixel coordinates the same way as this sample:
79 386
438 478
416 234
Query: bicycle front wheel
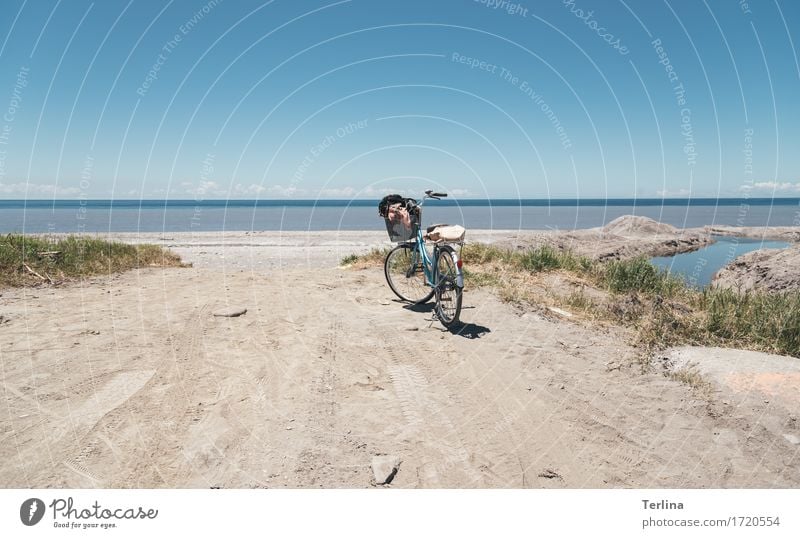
406 276
448 292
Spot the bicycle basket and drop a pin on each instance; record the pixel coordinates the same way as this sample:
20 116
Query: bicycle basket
402 216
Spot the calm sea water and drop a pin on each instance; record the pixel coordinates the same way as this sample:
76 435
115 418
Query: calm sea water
698 267
99 216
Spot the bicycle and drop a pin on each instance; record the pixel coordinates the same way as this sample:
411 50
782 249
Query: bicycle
416 274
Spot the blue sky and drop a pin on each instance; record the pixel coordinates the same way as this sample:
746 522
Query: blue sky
343 99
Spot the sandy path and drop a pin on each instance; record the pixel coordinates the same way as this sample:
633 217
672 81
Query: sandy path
131 382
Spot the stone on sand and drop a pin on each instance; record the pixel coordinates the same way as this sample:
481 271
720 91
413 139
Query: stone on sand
384 468
230 312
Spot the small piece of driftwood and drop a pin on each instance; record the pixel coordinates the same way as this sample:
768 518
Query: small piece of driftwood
34 273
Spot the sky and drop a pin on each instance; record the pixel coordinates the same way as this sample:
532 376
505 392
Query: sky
217 99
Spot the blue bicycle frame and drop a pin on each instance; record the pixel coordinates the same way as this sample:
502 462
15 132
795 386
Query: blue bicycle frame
429 269
427 262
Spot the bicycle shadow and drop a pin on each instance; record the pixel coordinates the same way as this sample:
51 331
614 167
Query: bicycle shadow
426 307
471 331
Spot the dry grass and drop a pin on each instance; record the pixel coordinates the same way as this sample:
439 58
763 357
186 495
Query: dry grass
374 257
660 309
694 380
28 260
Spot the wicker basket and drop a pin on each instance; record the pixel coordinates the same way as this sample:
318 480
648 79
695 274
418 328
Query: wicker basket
402 225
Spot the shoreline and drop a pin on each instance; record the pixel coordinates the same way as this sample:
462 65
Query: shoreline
282 237
622 238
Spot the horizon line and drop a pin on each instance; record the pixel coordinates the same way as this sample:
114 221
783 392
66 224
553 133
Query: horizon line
94 203
504 198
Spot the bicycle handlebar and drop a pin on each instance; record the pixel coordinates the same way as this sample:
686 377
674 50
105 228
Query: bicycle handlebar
435 195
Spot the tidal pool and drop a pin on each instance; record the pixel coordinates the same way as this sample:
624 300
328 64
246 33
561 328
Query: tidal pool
698 267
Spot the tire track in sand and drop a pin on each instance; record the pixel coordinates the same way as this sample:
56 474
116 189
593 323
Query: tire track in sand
444 452
142 451
328 457
97 407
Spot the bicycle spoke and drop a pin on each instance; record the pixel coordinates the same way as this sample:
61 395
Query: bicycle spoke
406 275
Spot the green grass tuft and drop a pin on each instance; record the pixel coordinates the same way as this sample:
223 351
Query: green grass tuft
349 259
27 260
376 256
481 253
544 258
547 258
639 275
767 321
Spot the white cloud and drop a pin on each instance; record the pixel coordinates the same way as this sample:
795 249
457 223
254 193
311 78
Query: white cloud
344 192
249 190
200 189
253 190
287 192
29 189
772 186
371 192
679 192
207 187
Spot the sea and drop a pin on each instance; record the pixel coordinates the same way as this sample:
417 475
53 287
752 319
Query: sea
104 216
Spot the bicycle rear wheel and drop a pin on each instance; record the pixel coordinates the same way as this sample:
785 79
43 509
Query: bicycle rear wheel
448 292
405 275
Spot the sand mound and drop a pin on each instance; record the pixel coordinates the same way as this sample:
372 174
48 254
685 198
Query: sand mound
779 233
755 381
634 226
771 270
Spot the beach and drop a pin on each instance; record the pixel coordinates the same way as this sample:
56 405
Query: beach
624 237
224 264
131 380
325 248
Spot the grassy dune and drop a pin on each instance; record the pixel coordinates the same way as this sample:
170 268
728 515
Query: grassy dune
27 260
661 309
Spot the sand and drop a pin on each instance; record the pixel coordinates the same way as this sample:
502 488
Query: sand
775 233
131 381
749 383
